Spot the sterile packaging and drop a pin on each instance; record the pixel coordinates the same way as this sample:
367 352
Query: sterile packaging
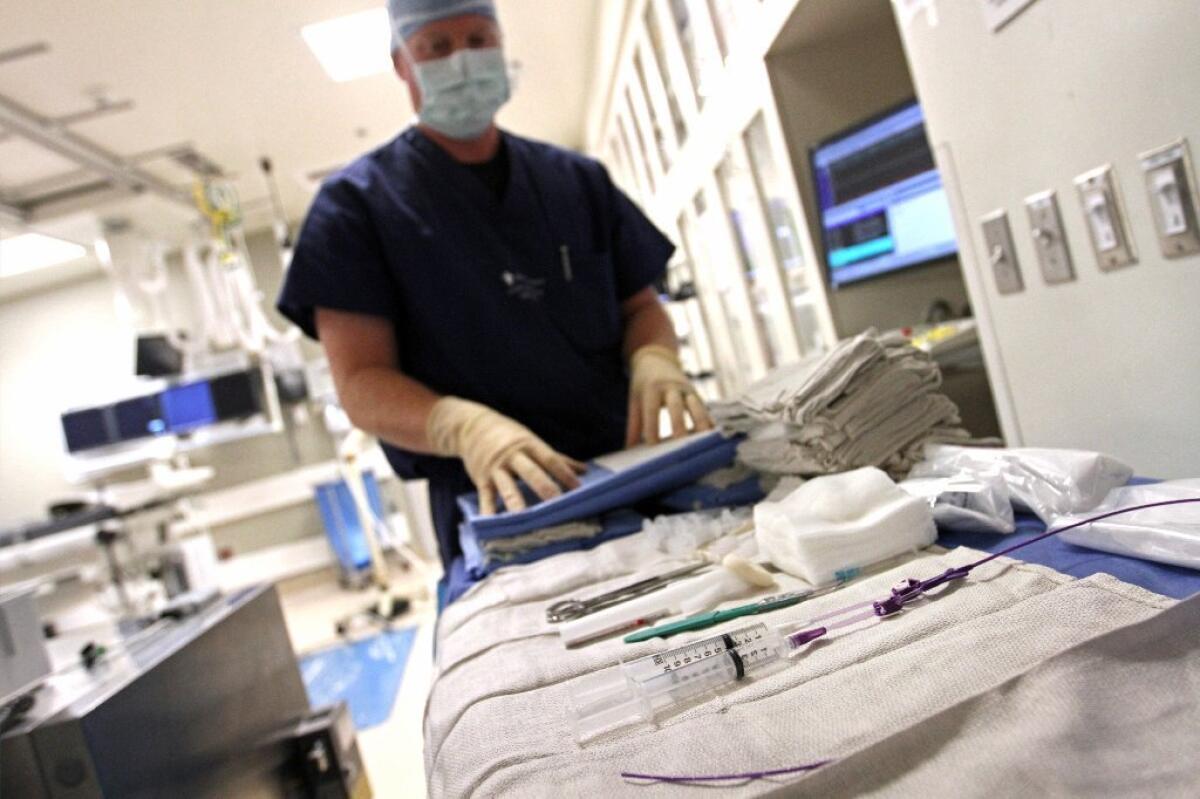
1046 482
1167 534
832 527
967 503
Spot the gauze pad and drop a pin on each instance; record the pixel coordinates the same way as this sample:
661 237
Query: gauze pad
832 527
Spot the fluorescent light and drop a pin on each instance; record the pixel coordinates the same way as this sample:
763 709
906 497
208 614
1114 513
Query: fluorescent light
353 46
102 252
30 251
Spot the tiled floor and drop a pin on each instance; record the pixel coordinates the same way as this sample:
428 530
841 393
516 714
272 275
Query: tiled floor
393 750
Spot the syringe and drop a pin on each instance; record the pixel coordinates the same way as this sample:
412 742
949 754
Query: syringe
637 690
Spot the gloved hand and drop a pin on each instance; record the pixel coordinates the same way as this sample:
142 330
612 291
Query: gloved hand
498 451
657 380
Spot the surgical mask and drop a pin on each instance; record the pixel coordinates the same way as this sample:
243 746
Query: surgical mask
461 93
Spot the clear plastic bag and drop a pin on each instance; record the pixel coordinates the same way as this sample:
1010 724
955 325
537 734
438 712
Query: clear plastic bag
1166 535
1046 482
967 503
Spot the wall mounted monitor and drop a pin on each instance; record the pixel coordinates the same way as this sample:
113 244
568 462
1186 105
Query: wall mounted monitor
237 395
880 198
188 406
88 429
156 356
139 417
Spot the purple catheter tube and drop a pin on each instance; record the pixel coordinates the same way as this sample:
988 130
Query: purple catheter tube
912 589
901 595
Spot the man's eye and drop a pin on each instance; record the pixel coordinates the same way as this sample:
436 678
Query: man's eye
432 48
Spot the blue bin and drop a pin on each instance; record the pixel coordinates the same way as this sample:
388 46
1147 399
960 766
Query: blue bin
342 525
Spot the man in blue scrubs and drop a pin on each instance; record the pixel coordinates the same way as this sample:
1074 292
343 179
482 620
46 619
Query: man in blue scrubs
485 301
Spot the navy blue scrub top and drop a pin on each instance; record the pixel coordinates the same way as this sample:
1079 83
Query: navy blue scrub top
513 302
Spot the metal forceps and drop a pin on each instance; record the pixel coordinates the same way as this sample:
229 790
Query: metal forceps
568 609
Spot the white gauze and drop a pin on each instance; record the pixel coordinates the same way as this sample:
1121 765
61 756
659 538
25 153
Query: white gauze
832 527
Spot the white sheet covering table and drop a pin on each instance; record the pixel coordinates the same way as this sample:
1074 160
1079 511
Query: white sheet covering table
1018 679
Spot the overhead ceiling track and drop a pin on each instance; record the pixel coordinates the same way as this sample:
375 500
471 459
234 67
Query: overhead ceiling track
35 192
101 109
24 51
12 214
86 154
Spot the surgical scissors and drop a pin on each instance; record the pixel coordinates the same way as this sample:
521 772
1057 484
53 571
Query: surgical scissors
568 609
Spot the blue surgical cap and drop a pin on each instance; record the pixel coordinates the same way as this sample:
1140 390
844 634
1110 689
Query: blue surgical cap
409 16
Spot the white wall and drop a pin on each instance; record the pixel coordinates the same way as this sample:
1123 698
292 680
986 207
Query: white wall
65 346
1109 361
57 348
612 20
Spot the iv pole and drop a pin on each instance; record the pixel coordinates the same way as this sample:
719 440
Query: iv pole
387 607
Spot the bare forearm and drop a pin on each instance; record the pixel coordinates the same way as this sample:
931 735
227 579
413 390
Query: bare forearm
648 324
377 397
389 405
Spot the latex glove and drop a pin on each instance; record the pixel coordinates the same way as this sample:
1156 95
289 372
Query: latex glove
498 451
657 381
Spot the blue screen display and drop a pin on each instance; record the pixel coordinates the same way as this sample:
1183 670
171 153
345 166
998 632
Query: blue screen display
188 406
87 429
881 199
139 417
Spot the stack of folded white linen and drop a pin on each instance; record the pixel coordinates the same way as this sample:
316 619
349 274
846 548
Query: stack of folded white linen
871 401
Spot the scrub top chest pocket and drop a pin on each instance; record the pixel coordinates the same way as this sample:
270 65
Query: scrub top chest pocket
584 301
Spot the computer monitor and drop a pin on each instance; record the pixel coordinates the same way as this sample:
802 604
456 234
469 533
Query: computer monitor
156 356
880 198
140 417
88 429
188 406
237 395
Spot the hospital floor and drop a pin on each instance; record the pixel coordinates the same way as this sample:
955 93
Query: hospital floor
391 751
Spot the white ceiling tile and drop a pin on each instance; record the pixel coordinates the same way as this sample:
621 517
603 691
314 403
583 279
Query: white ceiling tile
234 78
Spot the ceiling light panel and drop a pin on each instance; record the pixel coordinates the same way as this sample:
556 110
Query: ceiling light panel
353 46
30 251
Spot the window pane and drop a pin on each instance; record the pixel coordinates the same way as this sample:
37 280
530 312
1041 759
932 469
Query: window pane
725 22
660 138
737 187
685 24
620 164
640 137
729 338
636 170
660 59
785 234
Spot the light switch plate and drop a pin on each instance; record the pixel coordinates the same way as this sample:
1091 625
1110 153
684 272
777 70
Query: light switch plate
1171 184
1049 238
1105 217
1000 252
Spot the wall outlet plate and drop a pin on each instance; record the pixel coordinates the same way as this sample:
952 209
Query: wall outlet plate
1000 252
1107 222
1049 237
1171 184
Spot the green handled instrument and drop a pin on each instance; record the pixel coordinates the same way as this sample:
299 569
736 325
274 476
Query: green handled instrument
702 620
